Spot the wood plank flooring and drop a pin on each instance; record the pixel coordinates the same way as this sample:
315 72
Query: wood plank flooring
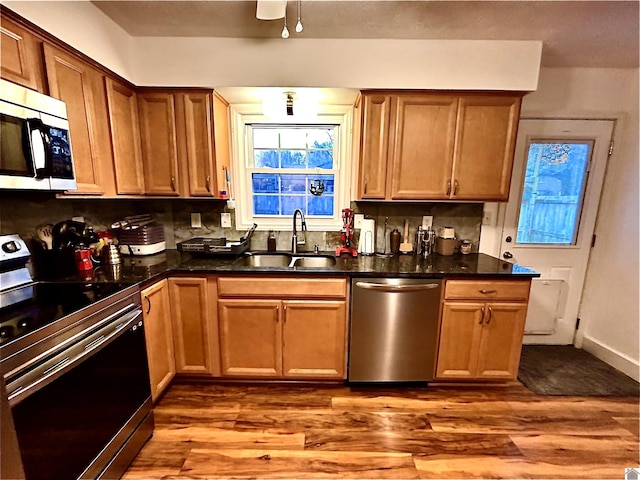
288 431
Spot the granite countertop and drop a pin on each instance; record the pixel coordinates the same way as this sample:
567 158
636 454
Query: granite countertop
143 269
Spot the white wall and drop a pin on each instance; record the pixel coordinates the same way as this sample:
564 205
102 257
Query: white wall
609 312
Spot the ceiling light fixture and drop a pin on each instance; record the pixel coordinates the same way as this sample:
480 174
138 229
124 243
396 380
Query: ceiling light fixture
275 9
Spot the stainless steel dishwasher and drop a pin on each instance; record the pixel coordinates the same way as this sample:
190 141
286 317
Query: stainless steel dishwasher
394 329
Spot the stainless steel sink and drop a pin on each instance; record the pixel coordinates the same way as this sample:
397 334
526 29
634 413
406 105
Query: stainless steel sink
266 260
285 260
317 261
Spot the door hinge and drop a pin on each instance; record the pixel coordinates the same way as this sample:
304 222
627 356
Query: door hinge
611 148
577 323
593 240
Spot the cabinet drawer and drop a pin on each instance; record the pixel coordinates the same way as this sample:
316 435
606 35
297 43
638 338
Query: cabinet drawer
487 289
282 287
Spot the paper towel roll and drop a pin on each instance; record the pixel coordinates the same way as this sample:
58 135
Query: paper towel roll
367 242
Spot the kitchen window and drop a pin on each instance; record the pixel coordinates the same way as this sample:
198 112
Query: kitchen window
286 166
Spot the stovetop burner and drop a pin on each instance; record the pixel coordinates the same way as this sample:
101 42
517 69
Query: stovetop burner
44 303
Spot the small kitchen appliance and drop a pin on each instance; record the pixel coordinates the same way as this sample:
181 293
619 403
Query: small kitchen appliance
139 235
346 234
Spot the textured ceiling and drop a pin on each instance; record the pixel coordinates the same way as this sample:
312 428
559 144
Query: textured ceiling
575 33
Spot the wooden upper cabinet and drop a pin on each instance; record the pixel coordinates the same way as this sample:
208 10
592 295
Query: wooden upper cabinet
222 141
159 142
70 80
125 138
485 143
21 57
199 143
437 146
374 145
424 133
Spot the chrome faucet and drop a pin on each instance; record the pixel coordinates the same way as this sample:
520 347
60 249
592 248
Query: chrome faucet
294 238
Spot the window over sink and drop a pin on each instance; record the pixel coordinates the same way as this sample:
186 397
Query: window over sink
284 166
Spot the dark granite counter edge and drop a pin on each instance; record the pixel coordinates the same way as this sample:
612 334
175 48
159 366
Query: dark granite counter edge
146 270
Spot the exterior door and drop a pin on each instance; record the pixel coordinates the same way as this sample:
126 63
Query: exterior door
550 217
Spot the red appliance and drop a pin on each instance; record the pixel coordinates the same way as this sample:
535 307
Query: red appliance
346 234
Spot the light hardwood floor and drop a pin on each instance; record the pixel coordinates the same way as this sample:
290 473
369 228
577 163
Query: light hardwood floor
288 431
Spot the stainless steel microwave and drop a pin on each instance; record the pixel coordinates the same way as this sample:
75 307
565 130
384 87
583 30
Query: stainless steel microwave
35 145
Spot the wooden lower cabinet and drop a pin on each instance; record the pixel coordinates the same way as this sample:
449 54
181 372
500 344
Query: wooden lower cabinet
159 336
294 338
194 323
481 340
313 339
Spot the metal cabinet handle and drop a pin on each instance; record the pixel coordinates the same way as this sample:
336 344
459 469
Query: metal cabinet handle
487 292
208 183
365 185
455 187
490 316
481 316
448 188
396 288
173 184
148 304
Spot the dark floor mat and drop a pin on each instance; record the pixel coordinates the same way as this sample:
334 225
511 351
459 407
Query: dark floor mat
565 370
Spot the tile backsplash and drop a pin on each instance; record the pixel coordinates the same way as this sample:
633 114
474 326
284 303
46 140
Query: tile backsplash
21 212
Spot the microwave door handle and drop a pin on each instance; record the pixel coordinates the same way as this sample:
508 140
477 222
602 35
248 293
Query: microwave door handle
39 141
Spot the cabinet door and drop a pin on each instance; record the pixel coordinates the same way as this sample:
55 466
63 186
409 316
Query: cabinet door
125 138
159 336
159 148
250 338
314 339
485 143
422 159
222 142
501 342
198 120
193 323
374 146
460 332
21 60
70 80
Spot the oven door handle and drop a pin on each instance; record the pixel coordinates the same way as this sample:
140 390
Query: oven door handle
22 387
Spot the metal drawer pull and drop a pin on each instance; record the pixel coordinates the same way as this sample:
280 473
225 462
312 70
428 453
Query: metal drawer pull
490 315
448 188
481 316
396 288
53 367
487 292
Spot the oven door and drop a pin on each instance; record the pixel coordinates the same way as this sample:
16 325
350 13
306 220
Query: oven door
69 409
23 158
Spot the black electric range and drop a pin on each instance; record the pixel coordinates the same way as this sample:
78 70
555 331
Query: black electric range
35 305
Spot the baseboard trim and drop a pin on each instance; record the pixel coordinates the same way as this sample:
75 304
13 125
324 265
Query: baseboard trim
617 360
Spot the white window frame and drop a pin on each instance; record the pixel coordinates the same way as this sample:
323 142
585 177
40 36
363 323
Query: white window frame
250 114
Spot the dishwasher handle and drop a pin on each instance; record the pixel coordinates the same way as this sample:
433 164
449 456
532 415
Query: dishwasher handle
384 287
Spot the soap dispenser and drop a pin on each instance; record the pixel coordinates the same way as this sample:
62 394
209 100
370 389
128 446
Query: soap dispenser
271 241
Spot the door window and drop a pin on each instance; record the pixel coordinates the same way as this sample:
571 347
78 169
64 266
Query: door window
553 192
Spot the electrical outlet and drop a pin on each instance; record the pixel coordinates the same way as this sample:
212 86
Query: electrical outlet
427 221
196 220
487 218
357 220
225 220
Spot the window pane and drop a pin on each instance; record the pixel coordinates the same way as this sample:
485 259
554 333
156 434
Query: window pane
266 205
552 193
265 138
293 138
322 205
320 138
265 158
321 159
292 202
293 159
265 183
294 183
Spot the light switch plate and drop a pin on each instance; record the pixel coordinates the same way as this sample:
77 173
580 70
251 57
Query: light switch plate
357 220
225 220
196 220
427 221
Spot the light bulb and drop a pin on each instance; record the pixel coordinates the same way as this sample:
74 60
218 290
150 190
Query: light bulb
298 27
285 32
